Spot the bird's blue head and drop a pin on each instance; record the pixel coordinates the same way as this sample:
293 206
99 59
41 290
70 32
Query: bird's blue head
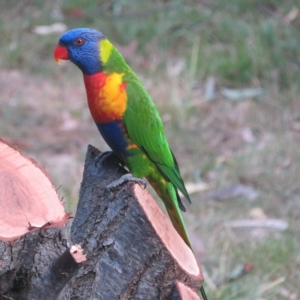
81 46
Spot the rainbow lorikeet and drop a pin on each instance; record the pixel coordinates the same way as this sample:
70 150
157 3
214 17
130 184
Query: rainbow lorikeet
126 116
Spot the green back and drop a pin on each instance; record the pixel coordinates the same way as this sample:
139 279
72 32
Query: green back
143 123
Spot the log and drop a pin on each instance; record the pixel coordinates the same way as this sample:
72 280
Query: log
131 249
31 250
28 200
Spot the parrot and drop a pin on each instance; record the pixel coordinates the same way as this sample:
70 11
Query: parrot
126 117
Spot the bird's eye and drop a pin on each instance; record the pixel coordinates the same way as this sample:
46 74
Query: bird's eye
79 42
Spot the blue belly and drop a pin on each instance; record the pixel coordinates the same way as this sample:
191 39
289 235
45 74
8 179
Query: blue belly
115 135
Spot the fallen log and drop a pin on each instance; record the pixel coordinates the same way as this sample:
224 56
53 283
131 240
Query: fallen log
131 250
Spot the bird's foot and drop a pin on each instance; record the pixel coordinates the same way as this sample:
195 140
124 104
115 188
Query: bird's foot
104 156
125 178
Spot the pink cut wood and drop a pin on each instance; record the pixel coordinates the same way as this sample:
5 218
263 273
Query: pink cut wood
186 292
181 253
28 199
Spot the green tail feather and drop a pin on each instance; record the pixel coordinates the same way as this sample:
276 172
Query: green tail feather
172 204
168 193
203 294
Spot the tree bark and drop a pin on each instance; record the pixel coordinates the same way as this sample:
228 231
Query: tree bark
132 250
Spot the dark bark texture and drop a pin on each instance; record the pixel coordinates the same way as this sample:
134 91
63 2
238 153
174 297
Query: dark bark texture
125 257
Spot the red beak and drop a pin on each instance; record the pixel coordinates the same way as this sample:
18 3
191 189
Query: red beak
60 52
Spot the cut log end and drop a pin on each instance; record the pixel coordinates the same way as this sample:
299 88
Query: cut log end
167 233
183 292
28 199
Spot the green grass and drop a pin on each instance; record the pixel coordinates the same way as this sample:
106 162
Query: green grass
240 41
242 44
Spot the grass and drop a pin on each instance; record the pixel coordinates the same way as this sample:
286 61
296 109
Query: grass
175 46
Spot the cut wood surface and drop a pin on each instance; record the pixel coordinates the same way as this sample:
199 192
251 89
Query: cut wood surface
28 200
123 248
181 291
166 232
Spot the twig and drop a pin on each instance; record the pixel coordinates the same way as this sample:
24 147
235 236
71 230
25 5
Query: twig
270 223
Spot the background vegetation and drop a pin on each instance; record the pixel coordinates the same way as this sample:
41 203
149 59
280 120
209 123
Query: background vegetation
225 77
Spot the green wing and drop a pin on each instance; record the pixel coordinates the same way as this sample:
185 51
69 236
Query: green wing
145 129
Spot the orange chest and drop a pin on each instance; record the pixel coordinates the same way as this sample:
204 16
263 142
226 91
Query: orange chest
106 95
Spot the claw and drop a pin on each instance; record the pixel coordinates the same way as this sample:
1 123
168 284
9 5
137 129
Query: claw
125 178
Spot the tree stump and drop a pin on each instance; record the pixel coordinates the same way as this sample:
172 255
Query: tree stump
35 262
132 251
